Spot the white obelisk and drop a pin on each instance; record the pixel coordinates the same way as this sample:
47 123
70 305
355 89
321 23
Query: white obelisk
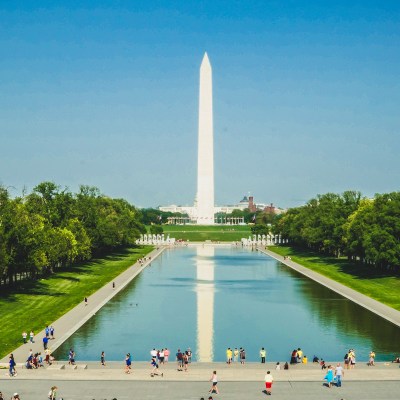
205 162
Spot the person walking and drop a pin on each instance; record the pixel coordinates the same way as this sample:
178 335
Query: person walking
214 380
268 383
103 359
85 300
339 373
154 370
24 336
11 366
263 354
329 376
53 393
31 336
128 363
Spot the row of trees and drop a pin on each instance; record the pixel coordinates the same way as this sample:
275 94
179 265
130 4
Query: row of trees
52 227
366 230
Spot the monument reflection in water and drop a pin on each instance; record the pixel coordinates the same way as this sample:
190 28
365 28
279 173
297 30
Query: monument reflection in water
210 298
205 303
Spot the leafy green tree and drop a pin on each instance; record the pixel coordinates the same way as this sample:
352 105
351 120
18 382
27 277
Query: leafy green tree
156 229
260 229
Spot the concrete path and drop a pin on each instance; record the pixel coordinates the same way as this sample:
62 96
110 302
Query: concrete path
376 307
235 382
66 325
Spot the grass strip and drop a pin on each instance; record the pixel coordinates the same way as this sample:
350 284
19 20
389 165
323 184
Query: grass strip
373 282
35 304
217 233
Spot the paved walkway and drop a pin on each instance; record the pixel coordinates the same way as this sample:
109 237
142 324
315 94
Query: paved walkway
75 318
376 307
235 382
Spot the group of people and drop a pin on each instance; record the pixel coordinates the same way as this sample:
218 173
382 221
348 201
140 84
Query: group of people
350 359
334 375
51 395
235 355
15 396
49 334
142 260
297 357
183 358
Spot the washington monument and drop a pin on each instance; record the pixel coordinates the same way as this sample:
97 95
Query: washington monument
205 164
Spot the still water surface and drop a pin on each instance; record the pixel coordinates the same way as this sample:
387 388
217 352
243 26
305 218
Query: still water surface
210 298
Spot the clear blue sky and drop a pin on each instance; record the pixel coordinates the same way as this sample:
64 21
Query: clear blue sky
105 93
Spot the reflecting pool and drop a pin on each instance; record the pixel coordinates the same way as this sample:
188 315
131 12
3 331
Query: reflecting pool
210 298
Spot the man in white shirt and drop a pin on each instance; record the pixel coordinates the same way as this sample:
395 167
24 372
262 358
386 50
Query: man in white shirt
339 373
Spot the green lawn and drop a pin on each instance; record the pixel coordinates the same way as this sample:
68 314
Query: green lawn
33 305
367 280
196 233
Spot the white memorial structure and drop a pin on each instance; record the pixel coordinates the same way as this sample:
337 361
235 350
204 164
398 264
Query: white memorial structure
203 210
204 206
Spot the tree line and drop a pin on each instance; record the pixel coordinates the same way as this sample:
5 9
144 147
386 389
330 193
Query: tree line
365 230
52 227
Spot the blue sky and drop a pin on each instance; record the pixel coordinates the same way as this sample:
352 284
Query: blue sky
105 93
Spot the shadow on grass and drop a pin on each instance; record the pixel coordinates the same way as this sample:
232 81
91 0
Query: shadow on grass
355 269
70 273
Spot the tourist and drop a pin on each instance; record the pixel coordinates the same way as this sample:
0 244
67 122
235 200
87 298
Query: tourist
45 342
339 373
11 366
347 360
162 356
113 285
396 360
1 396
15 397
268 383
263 353
153 353
299 355
40 360
103 359
305 360
71 357
352 356
214 380
329 376
185 362
242 356
293 357
235 355
47 353
166 355
315 360
47 331
228 355
31 336
286 366
322 363
189 354
52 332
179 360
278 366
85 300
24 336
154 365
371 361
53 393
128 362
